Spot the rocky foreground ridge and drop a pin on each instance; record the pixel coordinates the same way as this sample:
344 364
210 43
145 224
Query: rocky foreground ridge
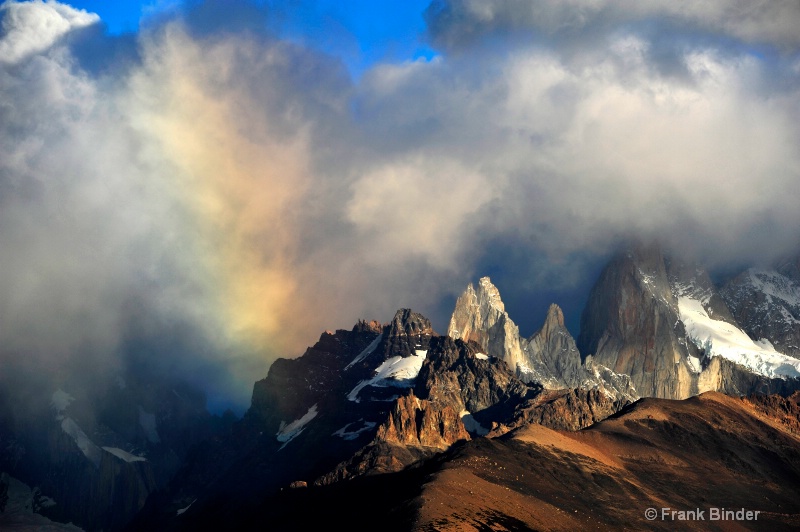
708 452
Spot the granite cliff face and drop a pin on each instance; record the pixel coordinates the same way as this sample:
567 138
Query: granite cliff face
549 357
653 327
631 325
552 354
480 316
663 323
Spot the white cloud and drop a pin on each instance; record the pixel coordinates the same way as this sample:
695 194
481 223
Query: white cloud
33 27
227 183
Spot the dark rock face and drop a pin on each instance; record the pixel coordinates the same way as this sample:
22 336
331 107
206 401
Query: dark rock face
407 332
453 375
767 305
119 487
94 459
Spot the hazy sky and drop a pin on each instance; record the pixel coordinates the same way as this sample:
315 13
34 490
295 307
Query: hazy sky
205 186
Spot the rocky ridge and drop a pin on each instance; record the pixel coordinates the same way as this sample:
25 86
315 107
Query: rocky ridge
550 357
368 401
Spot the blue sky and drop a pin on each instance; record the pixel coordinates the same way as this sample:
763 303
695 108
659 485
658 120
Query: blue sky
360 32
120 17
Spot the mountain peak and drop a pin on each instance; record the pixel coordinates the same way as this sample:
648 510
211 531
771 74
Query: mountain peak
406 322
478 312
368 326
489 294
555 317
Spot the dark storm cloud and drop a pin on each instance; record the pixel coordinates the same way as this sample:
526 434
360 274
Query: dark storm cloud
460 22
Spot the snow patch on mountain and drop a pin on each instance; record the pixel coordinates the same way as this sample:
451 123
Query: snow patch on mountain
148 423
60 401
182 511
481 356
395 371
648 280
124 455
287 433
719 338
366 352
777 286
346 434
87 446
694 364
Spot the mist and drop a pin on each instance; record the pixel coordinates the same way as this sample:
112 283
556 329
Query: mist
211 193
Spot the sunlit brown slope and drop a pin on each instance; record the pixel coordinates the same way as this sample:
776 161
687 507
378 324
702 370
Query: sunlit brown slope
710 451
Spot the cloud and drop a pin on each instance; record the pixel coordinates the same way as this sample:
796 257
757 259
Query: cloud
32 27
219 198
458 22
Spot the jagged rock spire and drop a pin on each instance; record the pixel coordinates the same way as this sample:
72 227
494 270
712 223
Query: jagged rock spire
480 316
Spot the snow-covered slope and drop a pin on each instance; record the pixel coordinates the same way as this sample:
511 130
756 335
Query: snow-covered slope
720 338
287 433
396 371
767 305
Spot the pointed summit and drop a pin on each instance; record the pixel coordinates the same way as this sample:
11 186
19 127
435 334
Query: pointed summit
554 319
407 333
552 355
480 316
406 322
549 357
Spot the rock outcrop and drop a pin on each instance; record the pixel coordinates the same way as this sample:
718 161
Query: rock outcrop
552 354
480 316
573 409
416 422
